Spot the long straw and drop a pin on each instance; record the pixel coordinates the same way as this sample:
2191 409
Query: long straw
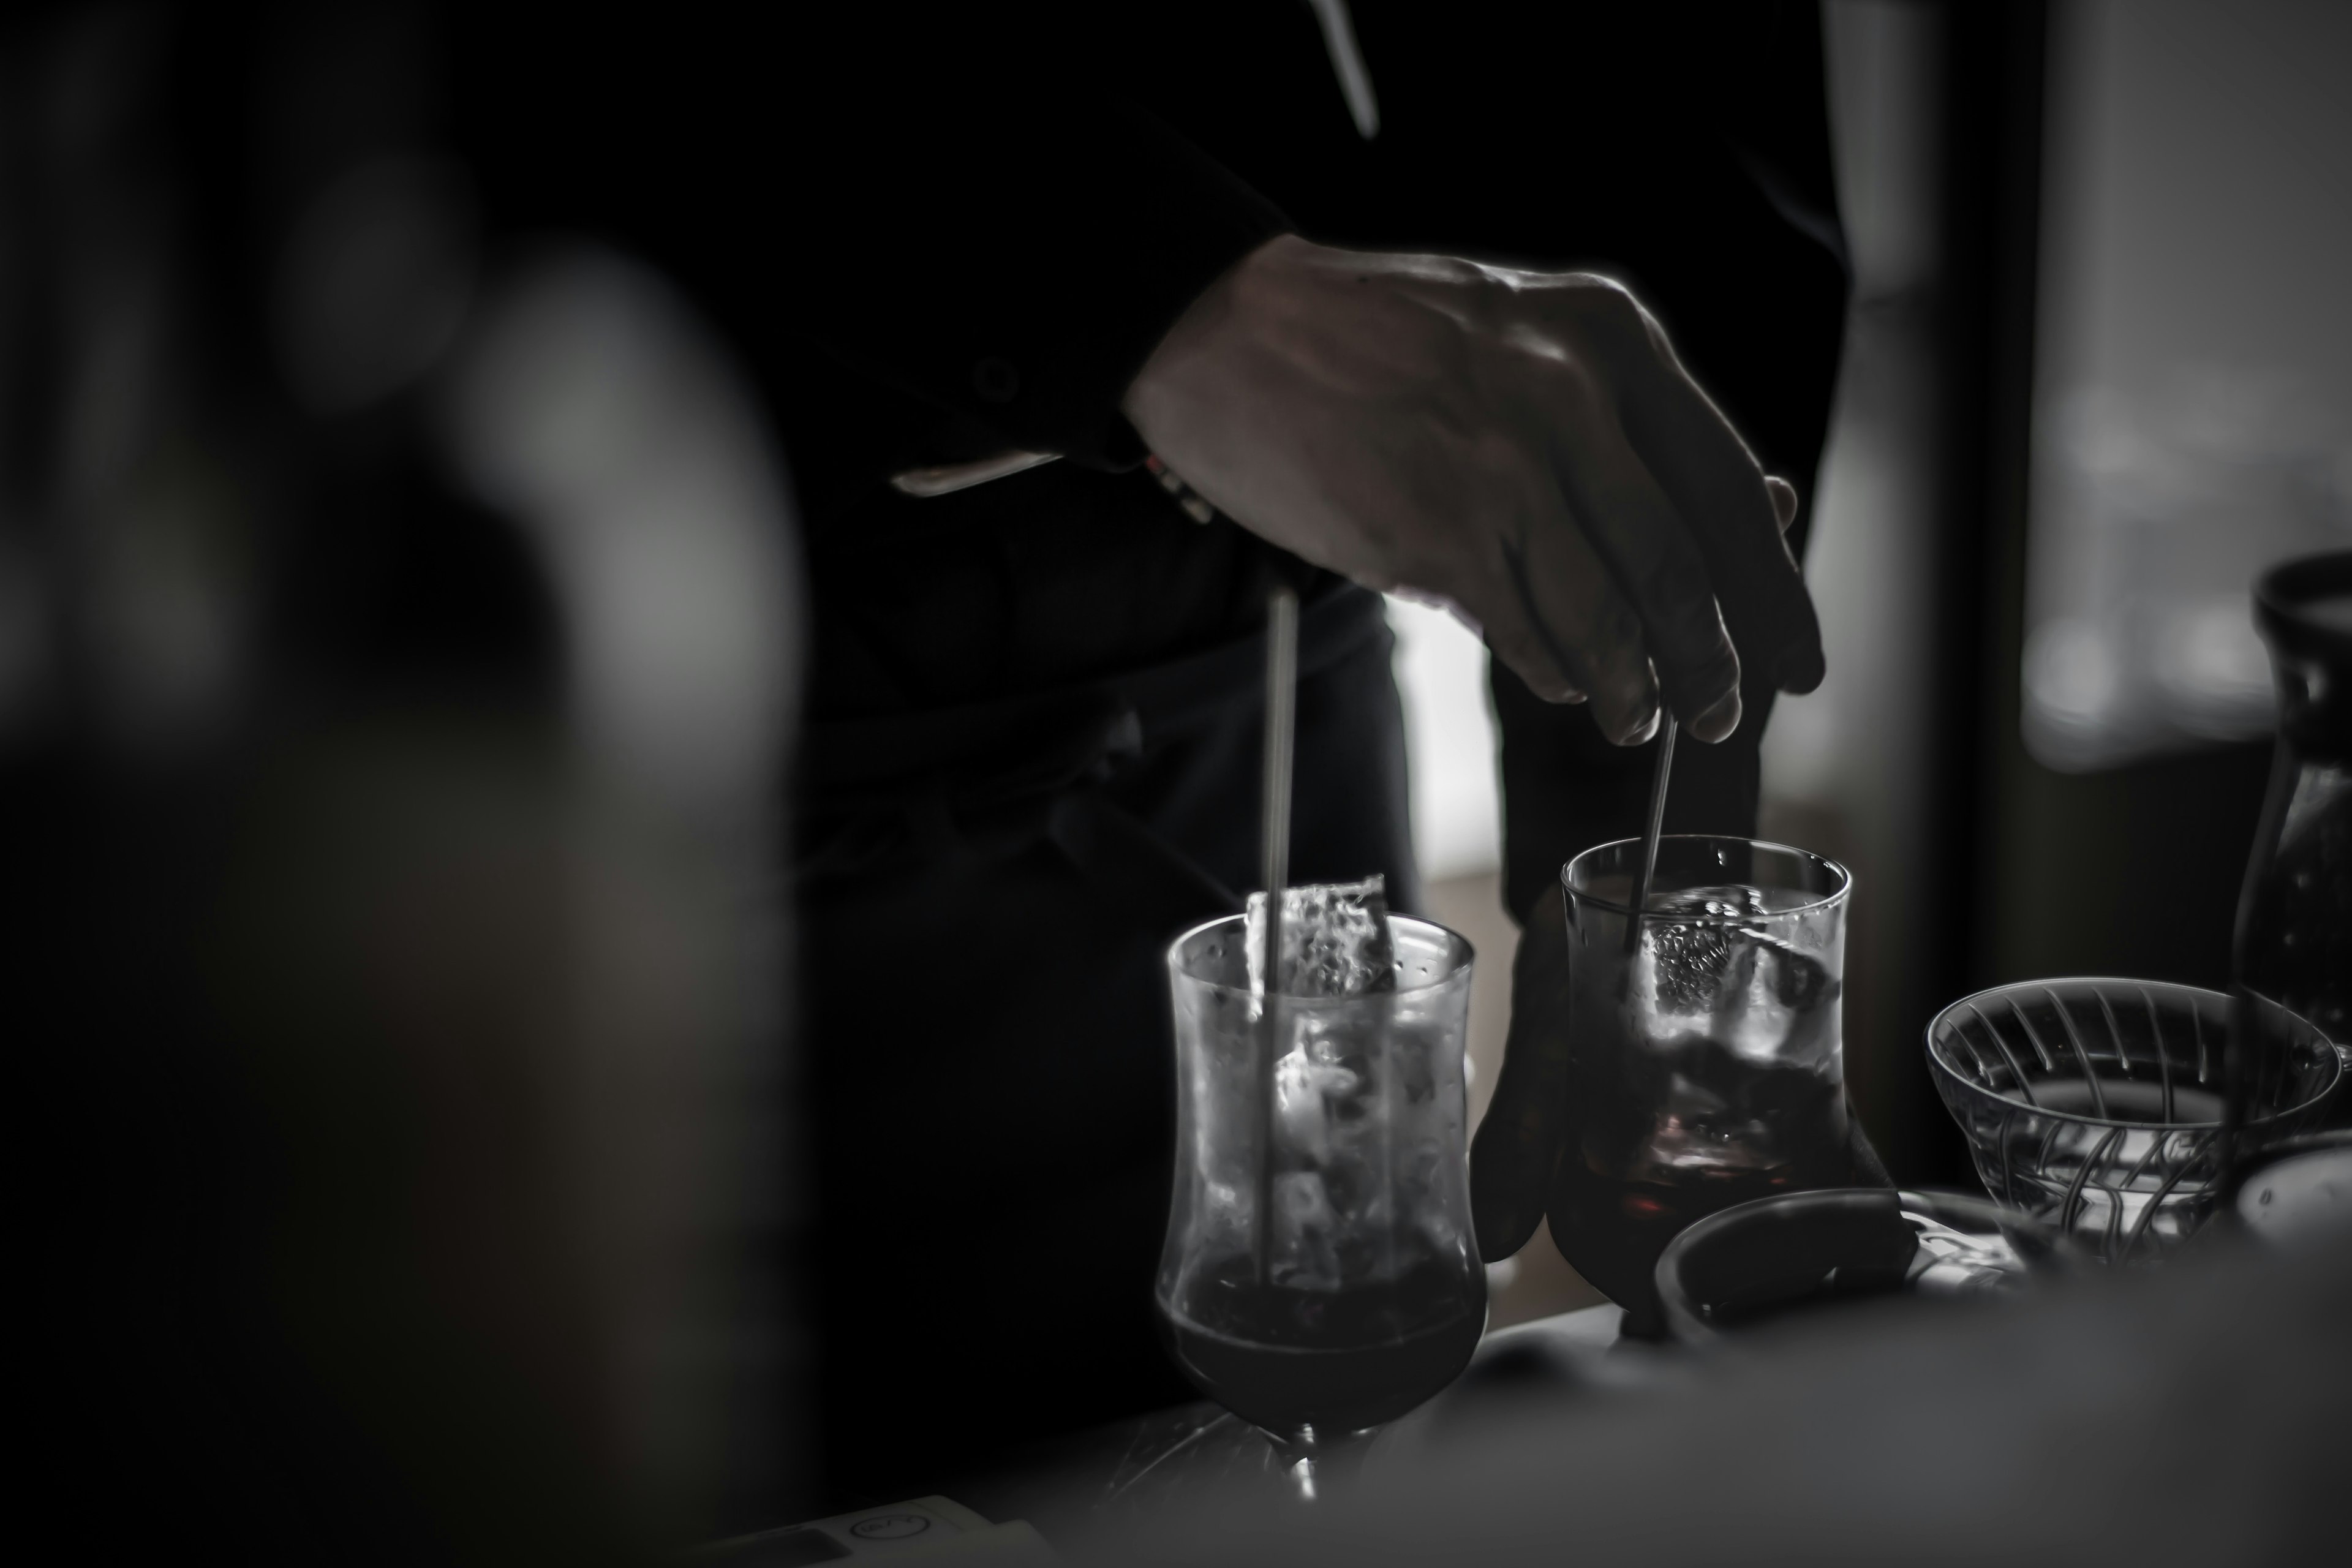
1664 766
1273 842
1281 704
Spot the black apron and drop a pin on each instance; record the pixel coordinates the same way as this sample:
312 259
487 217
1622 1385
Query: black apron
987 895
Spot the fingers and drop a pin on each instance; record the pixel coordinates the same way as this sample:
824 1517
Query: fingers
1578 596
1511 635
1511 1160
1732 511
1588 626
1587 645
1555 611
1614 501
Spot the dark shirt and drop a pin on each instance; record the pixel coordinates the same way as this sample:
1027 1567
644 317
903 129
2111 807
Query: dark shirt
936 232
928 232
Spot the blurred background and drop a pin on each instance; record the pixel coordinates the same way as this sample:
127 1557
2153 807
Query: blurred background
2098 375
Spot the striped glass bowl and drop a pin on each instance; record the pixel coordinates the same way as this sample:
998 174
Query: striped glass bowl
2095 1105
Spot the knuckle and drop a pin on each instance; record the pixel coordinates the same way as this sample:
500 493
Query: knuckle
1711 665
1606 302
1574 388
1616 304
1619 325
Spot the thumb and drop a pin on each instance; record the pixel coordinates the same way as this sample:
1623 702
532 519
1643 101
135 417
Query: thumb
1511 1160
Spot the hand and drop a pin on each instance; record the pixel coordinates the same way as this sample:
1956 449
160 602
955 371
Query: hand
1523 444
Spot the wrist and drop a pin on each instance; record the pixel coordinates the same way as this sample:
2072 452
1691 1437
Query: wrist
1221 308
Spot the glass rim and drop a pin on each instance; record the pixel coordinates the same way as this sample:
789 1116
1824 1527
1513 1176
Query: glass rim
1834 896
2284 595
1453 975
1944 1068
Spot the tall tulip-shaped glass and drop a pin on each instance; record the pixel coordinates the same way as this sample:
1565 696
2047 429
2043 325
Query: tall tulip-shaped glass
1319 1275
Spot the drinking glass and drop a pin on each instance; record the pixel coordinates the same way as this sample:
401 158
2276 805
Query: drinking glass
1706 1066
1319 1275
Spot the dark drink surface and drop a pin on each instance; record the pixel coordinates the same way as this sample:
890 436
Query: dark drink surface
1336 1361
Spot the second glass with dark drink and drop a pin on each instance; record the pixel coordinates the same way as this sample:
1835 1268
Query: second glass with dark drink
1319 1275
1706 1066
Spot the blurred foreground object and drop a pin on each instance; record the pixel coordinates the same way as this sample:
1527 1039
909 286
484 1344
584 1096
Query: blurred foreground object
2294 918
403 675
2191 1416
2307 1194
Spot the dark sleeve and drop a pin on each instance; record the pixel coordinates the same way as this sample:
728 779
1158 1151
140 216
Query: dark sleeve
952 200
1748 268
984 225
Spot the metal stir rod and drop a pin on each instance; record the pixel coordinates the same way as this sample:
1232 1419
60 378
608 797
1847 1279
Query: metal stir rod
1281 705
1642 879
1273 841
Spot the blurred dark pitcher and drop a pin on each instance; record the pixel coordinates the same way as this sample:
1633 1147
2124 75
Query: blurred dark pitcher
2295 918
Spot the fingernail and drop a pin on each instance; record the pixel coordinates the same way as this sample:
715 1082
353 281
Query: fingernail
1720 720
1799 672
1562 693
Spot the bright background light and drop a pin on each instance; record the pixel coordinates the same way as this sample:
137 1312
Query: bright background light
1441 672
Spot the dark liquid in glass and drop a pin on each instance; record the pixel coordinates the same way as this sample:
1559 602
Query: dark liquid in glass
1677 1134
1336 1360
